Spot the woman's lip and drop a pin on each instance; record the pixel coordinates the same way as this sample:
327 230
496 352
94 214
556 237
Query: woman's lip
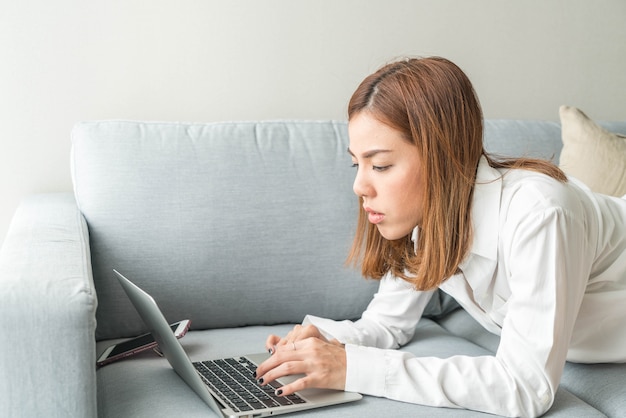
373 216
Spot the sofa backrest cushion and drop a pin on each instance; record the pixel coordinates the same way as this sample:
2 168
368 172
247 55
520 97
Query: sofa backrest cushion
240 223
517 138
531 138
226 224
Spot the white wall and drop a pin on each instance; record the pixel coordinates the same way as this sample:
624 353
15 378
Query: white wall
210 60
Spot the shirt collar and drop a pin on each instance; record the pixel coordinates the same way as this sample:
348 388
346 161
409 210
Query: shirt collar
485 213
414 236
480 263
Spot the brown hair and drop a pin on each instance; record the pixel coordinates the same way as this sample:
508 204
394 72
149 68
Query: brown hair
433 104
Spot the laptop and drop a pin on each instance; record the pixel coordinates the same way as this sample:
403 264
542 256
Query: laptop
227 386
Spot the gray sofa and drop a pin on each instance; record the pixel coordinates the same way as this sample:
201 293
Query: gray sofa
242 228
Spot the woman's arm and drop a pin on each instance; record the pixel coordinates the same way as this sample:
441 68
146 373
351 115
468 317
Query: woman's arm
548 264
316 348
388 322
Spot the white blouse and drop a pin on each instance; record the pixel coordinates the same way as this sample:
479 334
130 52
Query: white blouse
546 272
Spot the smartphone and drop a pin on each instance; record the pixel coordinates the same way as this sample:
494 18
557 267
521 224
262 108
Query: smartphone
138 344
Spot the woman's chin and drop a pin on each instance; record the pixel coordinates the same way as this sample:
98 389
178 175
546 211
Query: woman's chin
391 234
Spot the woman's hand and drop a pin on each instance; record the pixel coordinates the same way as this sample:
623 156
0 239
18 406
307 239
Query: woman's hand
299 332
304 351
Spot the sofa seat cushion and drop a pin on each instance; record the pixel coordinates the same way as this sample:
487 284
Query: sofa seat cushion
600 385
147 386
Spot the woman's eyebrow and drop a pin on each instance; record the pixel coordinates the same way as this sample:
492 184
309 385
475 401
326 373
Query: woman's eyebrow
369 154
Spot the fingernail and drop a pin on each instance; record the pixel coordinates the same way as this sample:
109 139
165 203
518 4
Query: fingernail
279 392
260 381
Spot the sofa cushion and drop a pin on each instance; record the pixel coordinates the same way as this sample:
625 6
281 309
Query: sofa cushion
227 224
146 385
592 154
599 385
514 138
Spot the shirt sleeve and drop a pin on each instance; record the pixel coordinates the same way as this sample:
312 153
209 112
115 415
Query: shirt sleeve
547 277
388 322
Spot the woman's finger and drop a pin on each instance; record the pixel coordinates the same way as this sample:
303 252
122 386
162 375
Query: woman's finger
295 386
293 335
271 342
283 362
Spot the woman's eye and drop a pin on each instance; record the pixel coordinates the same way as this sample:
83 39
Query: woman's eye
374 167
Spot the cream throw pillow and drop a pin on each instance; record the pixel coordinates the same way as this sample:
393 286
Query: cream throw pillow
592 154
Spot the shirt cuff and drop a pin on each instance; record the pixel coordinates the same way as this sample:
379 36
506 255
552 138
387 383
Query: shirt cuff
343 331
366 370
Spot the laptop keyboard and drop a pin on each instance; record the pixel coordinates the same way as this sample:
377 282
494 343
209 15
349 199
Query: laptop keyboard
233 381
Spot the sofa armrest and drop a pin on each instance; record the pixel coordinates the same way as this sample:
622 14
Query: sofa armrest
47 312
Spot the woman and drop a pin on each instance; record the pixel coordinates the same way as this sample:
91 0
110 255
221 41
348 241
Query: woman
533 256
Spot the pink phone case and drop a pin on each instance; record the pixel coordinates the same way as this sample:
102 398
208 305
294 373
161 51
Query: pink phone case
136 345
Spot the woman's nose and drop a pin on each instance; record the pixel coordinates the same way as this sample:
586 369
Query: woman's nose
361 185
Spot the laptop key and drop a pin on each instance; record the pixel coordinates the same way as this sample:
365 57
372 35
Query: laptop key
270 403
283 400
257 405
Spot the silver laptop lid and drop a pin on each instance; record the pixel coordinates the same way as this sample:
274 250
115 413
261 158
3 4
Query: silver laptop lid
168 344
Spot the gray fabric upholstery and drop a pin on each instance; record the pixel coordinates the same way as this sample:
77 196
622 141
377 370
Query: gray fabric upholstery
602 386
514 138
238 213
48 303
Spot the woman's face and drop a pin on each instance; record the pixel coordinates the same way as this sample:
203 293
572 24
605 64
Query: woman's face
388 177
